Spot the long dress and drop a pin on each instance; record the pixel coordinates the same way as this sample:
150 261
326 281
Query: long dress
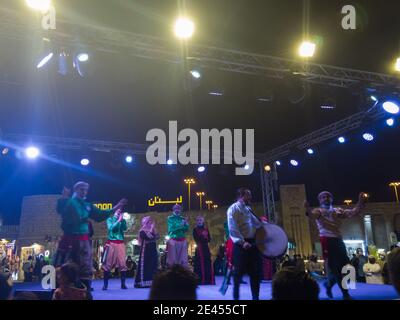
202 259
148 260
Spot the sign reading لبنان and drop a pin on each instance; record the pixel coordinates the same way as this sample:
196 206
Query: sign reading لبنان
103 206
157 200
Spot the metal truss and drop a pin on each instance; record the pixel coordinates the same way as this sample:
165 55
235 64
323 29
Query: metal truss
269 186
18 140
331 131
74 35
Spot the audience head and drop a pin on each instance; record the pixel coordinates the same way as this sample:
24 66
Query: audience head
293 284
67 274
176 283
5 287
393 263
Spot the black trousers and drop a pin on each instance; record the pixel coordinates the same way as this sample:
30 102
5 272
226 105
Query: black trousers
337 259
246 261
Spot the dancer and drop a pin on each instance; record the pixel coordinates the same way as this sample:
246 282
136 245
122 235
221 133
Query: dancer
242 225
328 220
148 257
177 246
202 259
114 252
74 245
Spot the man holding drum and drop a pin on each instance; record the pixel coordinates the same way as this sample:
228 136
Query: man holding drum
242 225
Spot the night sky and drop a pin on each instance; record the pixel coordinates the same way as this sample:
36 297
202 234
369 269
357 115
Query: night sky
124 96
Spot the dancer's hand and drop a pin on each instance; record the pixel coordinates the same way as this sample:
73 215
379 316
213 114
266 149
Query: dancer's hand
66 193
246 245
121 204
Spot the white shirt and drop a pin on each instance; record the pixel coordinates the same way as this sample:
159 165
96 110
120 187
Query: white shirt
242 223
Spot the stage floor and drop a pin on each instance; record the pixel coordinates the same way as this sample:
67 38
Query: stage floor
362 292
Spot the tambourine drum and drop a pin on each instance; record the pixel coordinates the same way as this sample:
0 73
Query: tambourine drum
271 240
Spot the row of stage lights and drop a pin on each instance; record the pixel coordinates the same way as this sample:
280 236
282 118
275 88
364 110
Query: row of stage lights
367 136
184 28
33 152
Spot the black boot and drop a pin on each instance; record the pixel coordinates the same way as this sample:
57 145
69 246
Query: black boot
106 277
123 278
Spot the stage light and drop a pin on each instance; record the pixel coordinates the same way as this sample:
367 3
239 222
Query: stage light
246 167
195 74
128 159
397 65
170 162
342 139
267 168
45 60
294 163
278 163
83 57
391 107
5 151
39 5
184 28
368 136
215 93
85 162
310 151
390 122
201 169
307 49
32 152
373 98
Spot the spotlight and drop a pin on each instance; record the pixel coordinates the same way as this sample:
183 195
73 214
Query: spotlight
83 57
32 152
294 163
63 63
278 163
310 151
267 168
390 122
39 5
45 60
342 139
373 98
215 93
397 65
184 28
307 49
5 151
85 162
246 167
201 169
368 136
128 159
391 107
170 162
195 74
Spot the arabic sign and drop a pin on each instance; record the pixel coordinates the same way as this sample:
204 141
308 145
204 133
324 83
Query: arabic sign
157 200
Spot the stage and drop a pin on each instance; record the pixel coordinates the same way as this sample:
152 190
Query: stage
362 292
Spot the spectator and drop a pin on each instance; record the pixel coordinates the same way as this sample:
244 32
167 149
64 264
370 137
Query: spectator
292 284
130 264
393 264
300 263
177 283
372 271
69 286
314 268
28 270
25 296
383 263
358 263
289 261
5 287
